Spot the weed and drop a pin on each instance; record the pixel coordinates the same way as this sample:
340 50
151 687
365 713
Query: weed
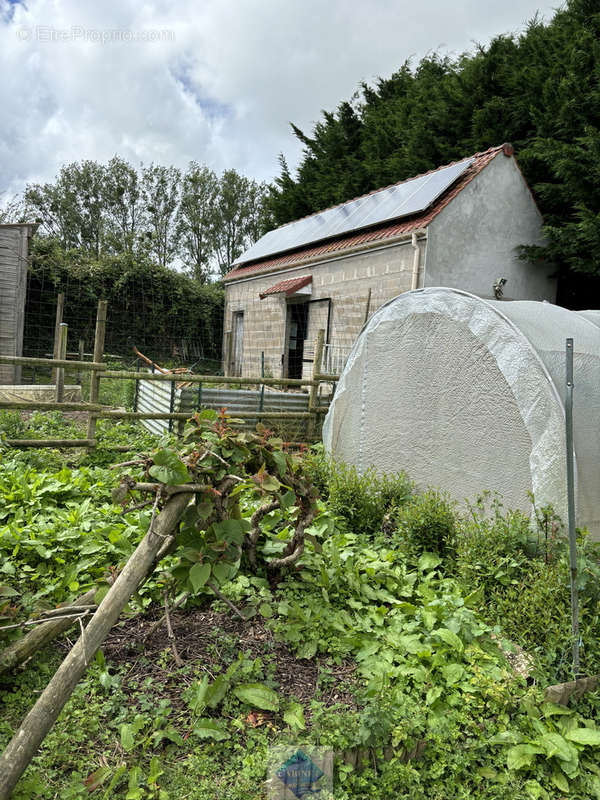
395 592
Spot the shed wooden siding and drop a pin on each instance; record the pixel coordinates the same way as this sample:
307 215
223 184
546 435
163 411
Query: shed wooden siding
13 284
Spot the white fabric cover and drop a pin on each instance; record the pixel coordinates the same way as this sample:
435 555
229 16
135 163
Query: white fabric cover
467 395
592 316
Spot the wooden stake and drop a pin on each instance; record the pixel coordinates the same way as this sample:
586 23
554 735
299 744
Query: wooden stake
170 633
98 356
26 646
60 304
62 355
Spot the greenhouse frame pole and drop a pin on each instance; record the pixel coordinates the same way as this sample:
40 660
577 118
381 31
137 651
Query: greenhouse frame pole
571 504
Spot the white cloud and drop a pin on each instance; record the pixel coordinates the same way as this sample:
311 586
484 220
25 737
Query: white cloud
219 85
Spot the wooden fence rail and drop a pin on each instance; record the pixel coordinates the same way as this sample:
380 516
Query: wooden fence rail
218 379
52 362
95 410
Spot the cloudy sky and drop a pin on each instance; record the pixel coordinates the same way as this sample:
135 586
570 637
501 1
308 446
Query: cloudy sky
216 81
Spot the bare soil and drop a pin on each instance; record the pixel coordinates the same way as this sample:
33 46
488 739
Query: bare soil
210 641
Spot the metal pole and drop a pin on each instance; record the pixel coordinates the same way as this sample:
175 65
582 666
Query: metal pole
368 307
571 504
199 400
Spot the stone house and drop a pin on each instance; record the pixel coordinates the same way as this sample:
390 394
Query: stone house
458 226
14 251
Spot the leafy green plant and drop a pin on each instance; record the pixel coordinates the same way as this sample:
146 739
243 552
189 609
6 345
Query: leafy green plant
427 524
363 501
522 569
427 704
12 426
239 478
553 743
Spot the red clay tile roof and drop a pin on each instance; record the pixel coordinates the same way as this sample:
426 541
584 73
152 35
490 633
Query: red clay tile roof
380 233
288 286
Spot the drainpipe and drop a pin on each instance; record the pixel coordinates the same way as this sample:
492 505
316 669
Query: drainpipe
416 258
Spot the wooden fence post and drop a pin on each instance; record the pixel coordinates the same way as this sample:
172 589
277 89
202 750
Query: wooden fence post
60 304
81 358
62 355
314 389
98 356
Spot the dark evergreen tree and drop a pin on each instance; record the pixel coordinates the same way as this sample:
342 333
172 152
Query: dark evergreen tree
539 90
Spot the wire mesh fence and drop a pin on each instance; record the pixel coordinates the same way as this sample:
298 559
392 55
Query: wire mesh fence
141 312
117 387
145 325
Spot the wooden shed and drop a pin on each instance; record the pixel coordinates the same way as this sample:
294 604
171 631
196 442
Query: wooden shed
14 251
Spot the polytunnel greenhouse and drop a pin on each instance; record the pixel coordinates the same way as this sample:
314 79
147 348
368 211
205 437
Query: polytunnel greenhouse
468 395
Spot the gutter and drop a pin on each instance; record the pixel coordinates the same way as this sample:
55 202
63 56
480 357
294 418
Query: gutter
379 244
414 284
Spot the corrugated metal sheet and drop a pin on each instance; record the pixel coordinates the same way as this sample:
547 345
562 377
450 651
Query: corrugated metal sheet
155 396
243 400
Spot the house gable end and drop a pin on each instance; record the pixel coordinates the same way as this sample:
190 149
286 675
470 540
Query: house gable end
474 240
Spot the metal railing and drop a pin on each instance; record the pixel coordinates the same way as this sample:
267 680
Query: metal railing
334 358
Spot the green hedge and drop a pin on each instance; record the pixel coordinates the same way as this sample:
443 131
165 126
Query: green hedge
165 313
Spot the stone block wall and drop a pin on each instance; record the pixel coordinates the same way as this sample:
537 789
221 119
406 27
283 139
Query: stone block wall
386 271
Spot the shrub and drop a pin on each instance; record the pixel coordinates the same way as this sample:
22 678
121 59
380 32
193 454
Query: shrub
318 465
363 501
12 426
427 524
493 547
522 569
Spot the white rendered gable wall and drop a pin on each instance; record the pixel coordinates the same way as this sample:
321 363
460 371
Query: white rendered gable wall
474 239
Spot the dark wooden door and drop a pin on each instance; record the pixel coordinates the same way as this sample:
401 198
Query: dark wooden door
298 324
238 343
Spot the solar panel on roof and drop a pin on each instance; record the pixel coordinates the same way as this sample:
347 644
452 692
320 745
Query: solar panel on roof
402 200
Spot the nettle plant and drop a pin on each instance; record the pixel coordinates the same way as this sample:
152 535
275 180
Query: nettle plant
252 500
